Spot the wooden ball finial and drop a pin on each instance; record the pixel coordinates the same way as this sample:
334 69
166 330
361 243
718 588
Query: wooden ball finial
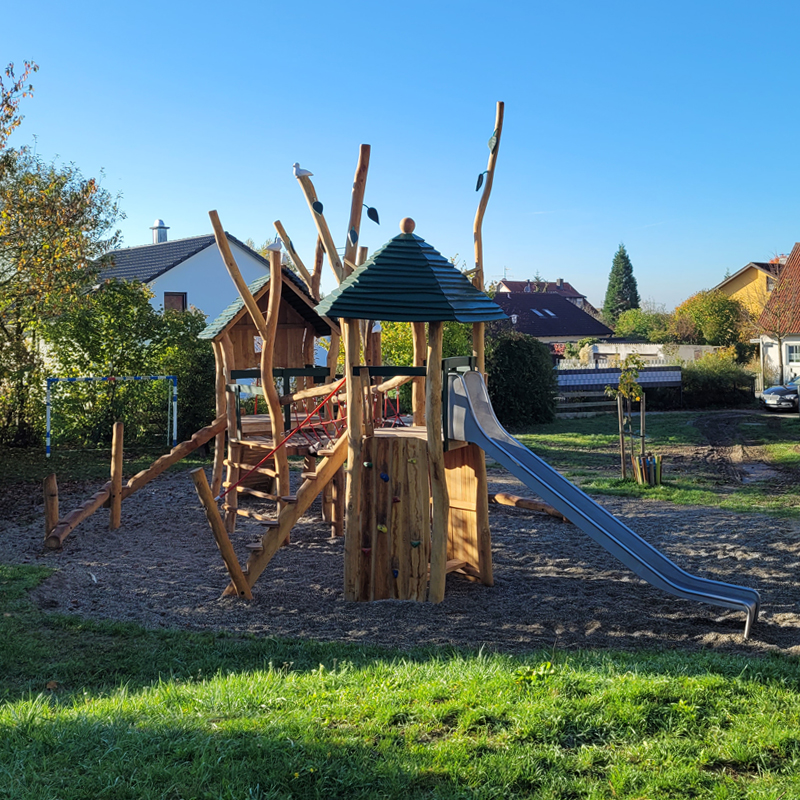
407 225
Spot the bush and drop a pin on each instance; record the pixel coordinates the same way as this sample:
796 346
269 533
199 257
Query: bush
116 332
717 381
522 381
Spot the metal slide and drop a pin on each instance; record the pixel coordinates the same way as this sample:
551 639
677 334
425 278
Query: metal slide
472 419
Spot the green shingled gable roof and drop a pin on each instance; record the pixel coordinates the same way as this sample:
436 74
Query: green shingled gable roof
216 327
407 280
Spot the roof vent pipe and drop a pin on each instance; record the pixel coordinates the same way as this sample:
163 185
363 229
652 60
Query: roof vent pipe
159 231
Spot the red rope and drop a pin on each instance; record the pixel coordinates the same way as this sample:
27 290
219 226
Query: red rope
285 439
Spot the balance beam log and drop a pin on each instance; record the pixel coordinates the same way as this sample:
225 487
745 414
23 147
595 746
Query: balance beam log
503 499
74 518
176 454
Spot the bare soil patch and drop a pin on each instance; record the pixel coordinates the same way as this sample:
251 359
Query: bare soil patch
554 587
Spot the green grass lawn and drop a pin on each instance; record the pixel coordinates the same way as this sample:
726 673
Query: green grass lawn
586 450
93 710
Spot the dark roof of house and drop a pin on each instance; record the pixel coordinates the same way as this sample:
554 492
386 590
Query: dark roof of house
407 280
545 287
540 314
147 262
771 268
781 315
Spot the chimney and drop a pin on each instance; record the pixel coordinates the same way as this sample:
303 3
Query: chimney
159 231
560 283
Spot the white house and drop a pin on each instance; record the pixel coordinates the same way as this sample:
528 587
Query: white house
185 272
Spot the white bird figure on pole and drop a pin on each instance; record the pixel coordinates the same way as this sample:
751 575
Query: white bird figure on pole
275 247
299 172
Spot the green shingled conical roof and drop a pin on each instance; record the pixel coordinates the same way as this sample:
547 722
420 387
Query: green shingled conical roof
407 280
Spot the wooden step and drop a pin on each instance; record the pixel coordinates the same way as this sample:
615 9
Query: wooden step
324 453
251 468
257 493
255 547
308 476
268 521
289 498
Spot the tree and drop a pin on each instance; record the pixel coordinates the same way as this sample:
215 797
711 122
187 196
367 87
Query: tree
651 324
54 226
523 383
116 332
711 317
622 292
10 118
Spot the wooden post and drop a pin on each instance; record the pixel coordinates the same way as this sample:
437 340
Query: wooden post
293 254
316 276
267 382
433 419
418 387
356 206
115 498
236 276
221 400
355 467
220 534
50 489
620 417
310 193
478 328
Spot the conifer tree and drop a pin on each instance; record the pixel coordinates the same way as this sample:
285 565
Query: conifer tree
622 293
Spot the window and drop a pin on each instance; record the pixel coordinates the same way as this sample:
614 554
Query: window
770 283
174 301
537 312
793 353
549 312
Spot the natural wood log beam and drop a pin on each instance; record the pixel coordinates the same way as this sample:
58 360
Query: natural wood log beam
221 402
355 467
293 254
441 506
220 534
176 454
504 499
74 518
267 382
310 193
50 488
351 248
236 276
478 329
115 499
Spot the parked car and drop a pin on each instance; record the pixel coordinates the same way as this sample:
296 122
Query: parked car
781 397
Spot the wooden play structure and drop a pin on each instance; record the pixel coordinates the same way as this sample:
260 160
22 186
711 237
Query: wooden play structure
416 507
411 506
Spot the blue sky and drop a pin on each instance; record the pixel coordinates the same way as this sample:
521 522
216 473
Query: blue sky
670 127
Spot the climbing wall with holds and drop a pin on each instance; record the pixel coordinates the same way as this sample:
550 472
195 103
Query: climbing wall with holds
395 516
